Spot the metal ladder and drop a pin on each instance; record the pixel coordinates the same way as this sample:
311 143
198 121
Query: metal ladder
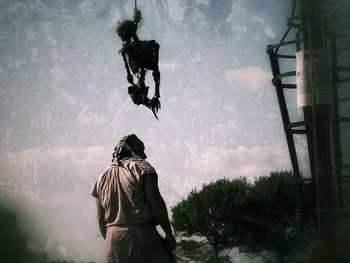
290 38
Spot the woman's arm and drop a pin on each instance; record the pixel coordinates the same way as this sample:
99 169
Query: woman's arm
101 218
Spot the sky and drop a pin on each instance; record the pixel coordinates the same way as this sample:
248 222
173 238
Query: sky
64 105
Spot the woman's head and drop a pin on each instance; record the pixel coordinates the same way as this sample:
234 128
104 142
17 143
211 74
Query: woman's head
129 146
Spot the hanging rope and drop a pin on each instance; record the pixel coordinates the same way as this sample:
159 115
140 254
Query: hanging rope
136 14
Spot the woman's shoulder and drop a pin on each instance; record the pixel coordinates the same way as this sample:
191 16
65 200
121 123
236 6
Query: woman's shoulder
139 165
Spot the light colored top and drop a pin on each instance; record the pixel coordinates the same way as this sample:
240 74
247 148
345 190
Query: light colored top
120 190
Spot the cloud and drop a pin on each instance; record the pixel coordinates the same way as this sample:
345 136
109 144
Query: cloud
264 25
60 169
89 117
51 189
177 10
253 78
78 156
242 161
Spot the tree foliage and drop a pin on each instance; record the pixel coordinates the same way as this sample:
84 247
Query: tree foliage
14 246
264 215
210 212
13 242
275 203
195 251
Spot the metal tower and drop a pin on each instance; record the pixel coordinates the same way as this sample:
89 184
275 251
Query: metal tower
317 43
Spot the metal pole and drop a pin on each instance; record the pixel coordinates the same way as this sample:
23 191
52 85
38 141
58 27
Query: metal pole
314 38
335 125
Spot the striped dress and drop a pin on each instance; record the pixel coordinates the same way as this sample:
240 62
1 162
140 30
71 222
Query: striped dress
131 228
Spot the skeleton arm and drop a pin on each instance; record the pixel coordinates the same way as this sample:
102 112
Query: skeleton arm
156 73
129 77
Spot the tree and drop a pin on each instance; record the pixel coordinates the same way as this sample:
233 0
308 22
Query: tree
263 216
44 258
211 213
194 251
13 242
274 203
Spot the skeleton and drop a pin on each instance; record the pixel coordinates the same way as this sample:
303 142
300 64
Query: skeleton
139 56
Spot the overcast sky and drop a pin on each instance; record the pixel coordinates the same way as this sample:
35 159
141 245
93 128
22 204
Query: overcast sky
64 104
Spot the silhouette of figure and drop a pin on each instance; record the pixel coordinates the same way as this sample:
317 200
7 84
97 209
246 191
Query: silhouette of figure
139 56
129 207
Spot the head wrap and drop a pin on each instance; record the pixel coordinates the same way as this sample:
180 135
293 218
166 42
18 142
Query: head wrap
124 148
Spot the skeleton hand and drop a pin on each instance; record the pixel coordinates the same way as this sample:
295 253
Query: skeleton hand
155 104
